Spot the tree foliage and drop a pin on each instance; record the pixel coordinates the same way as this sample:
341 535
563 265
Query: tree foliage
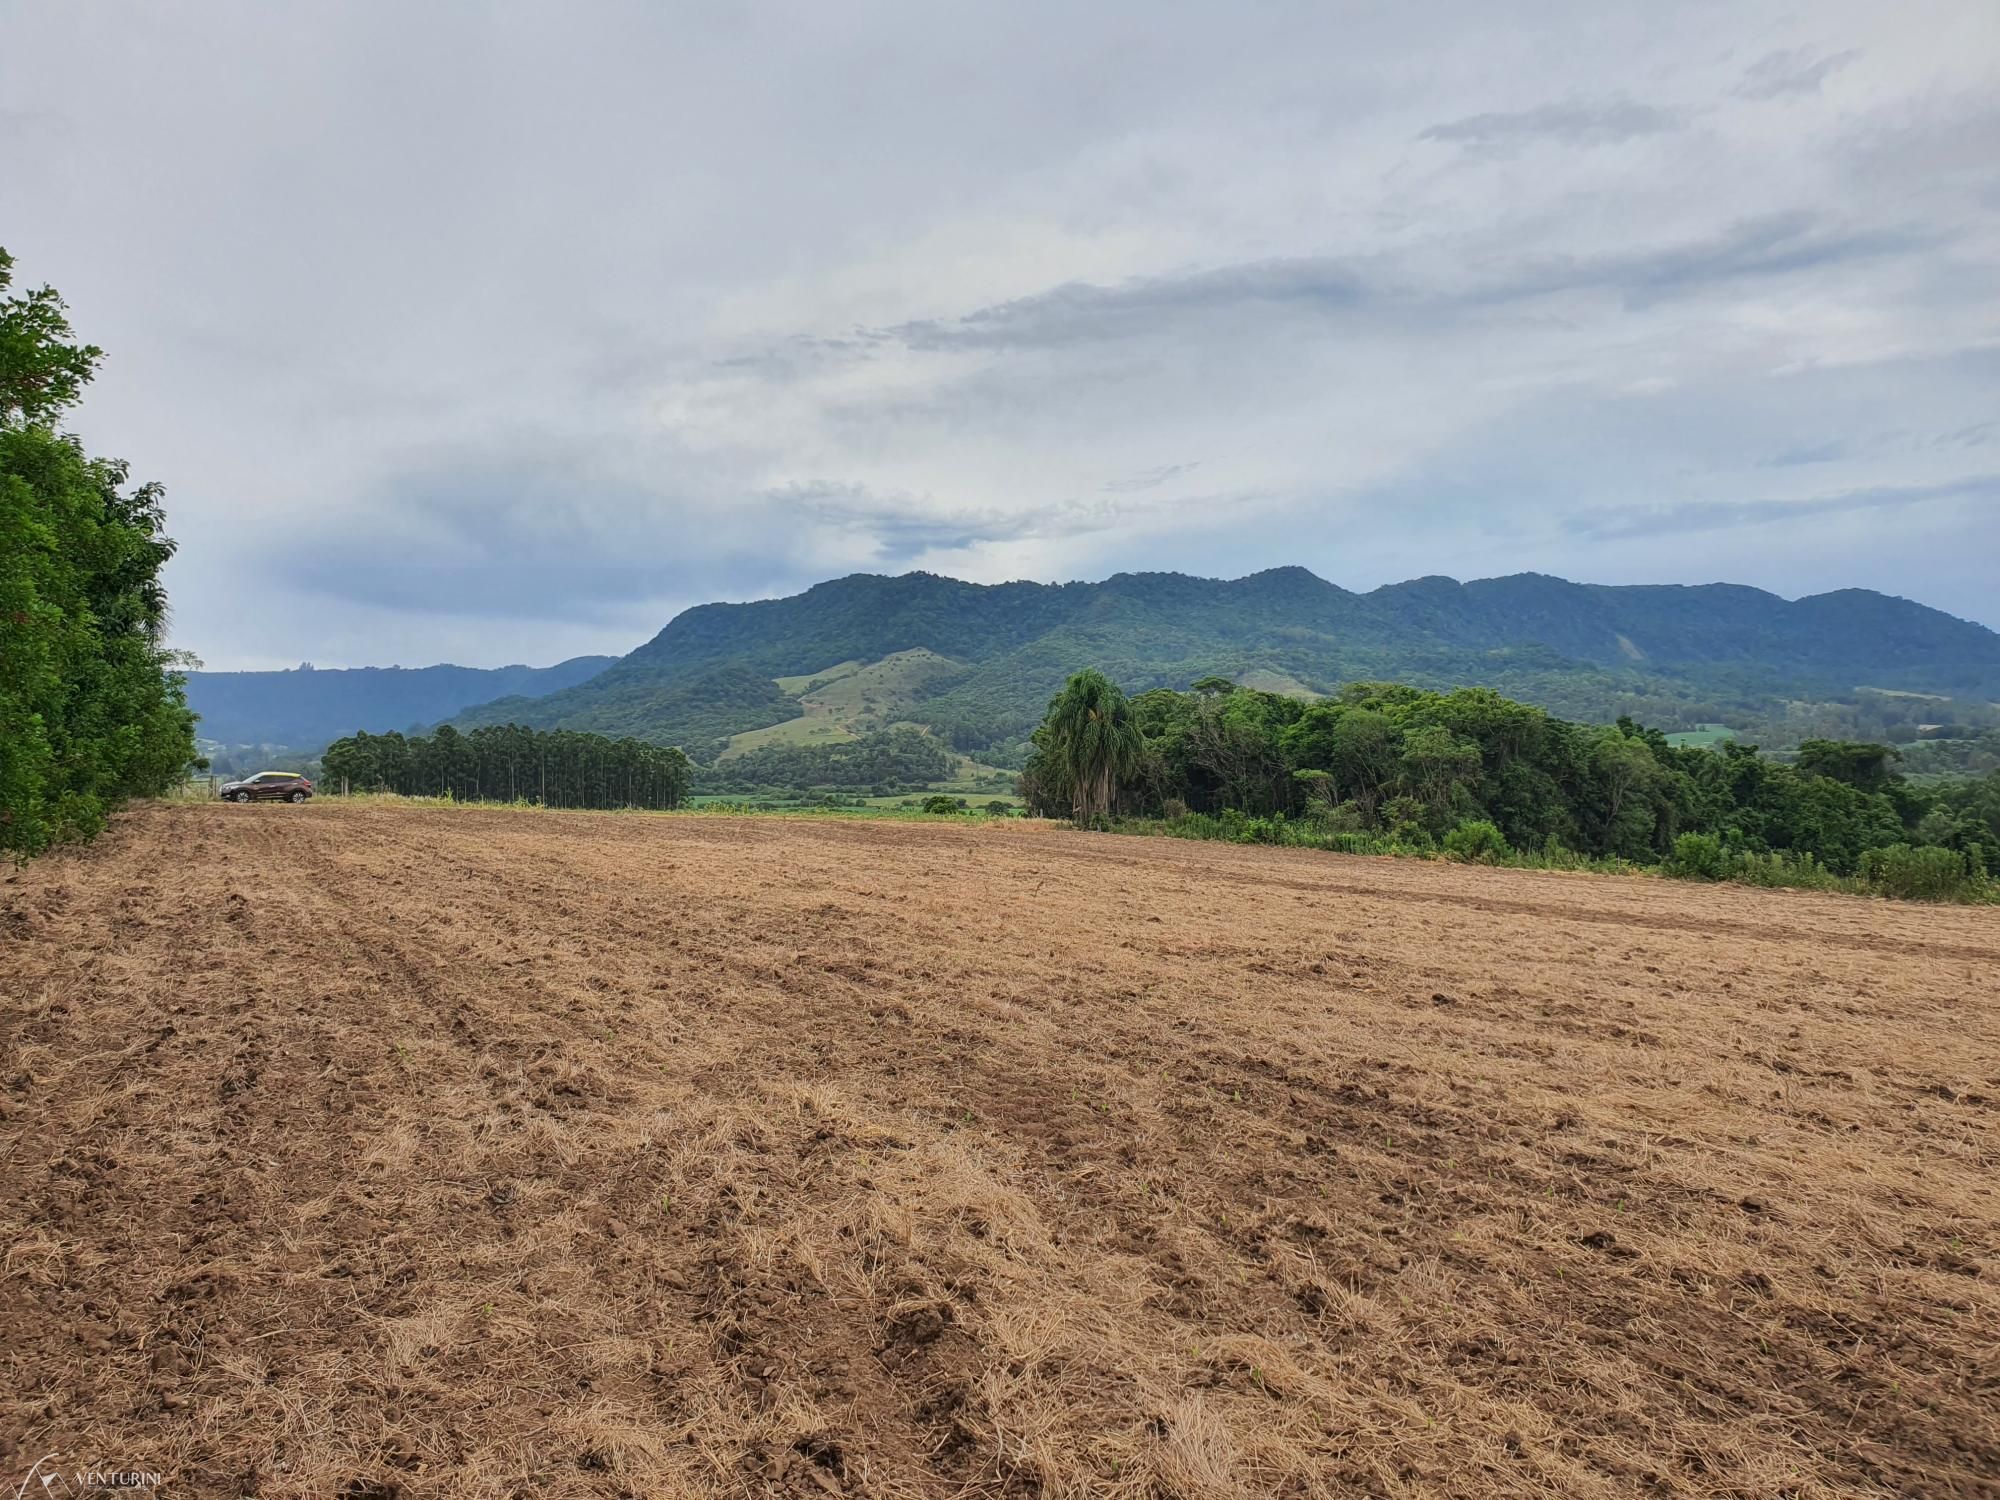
1423 768
893 761
1089 745
91 703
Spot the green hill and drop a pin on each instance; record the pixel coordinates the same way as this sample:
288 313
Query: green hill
991 656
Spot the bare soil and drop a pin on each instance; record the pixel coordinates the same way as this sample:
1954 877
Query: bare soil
376 1151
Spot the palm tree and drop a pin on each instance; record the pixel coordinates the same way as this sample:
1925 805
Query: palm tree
1093 742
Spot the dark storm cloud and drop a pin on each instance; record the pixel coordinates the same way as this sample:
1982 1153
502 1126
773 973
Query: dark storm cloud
1575 123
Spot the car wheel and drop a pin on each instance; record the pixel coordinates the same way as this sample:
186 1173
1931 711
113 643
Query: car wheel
242 797
298 796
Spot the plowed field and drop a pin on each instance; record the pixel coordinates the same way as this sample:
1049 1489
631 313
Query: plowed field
370 1151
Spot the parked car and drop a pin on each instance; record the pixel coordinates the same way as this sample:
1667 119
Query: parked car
287 786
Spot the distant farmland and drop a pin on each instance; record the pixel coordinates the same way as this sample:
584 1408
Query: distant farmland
377 1151
1702 737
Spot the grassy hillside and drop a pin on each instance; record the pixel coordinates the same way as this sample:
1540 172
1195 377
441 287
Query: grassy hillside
849 700
977 664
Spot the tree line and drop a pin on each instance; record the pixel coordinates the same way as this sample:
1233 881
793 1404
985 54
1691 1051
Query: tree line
92 704
510 763
1411 768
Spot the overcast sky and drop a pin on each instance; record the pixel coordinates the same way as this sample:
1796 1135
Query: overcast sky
503 332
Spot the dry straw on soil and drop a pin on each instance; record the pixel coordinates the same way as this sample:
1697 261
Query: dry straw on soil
376 1151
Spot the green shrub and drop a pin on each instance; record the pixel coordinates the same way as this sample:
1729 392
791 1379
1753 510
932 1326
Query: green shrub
1556 855
1403 817
1698 856
998 809
943 804
1476 842
1780 869
1921 874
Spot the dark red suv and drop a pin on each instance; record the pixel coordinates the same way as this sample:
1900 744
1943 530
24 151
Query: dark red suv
268 786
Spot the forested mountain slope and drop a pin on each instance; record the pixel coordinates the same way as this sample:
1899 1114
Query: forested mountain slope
309 706
1583 650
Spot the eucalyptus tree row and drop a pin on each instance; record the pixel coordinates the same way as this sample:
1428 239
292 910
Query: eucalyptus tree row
511 763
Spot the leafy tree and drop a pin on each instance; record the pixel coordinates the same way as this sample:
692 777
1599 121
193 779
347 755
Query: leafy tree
91 703
1864 767
1437 766
42 373
1625 773
1231 738
1354 745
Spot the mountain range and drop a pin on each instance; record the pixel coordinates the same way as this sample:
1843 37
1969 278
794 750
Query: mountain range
978 663
993 654
308 706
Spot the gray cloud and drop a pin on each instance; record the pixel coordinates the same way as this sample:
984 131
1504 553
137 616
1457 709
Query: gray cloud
1792 71
1079 310
1764 246
1728 515
1768 245
1818 453
1575 123
1148 479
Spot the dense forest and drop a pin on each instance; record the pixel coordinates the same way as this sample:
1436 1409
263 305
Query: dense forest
1399 767
884 765
1953 755
699 710
91 703
507 763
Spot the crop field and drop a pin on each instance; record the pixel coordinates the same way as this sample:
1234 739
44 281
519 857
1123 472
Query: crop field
373 1151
